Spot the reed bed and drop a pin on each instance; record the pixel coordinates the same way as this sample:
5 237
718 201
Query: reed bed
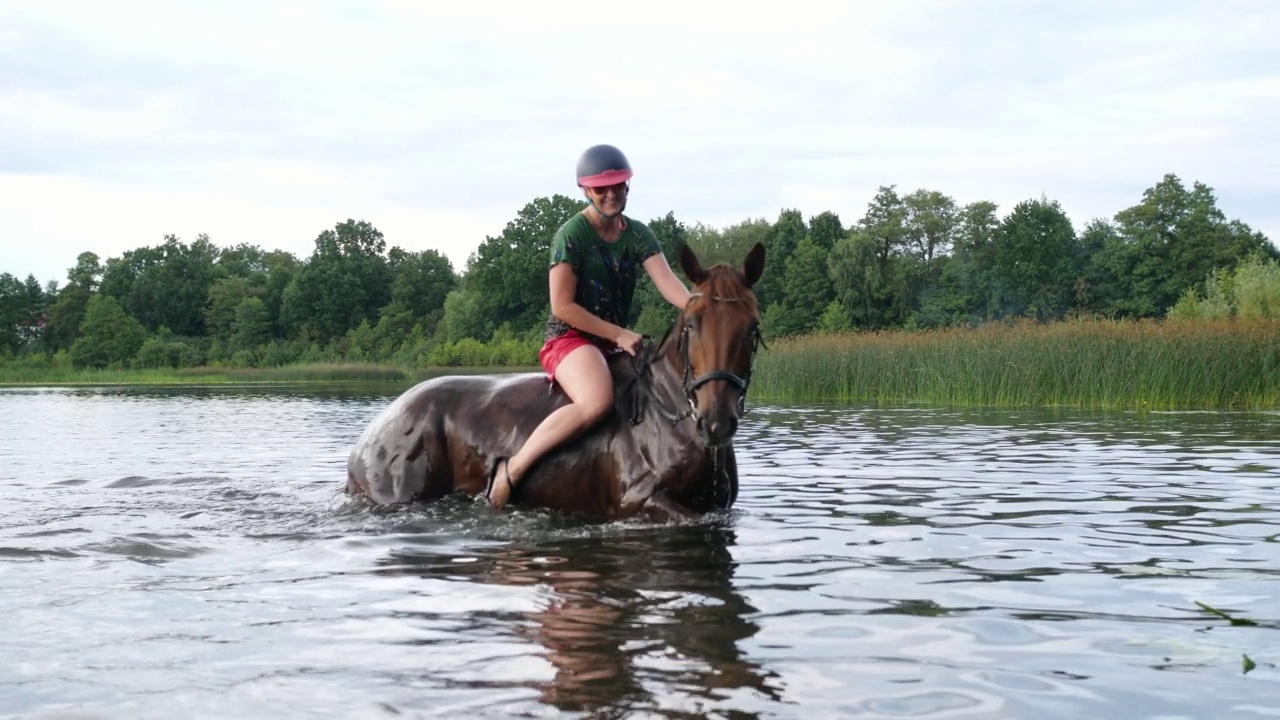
1202 364
1197 364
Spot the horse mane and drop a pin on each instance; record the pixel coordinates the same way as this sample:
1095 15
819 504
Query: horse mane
630 395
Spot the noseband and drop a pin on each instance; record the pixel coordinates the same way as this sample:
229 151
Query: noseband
689 383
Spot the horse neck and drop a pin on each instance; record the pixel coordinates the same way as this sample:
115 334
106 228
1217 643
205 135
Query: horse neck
666 376
667 371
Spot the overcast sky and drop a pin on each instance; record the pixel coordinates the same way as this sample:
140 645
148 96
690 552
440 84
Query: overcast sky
268 123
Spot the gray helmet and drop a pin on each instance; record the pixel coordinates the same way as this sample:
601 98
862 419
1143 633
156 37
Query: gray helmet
603 165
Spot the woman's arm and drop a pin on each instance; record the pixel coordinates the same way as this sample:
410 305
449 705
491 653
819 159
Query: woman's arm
666 281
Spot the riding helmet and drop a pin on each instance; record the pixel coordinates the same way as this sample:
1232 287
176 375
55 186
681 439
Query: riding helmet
601 166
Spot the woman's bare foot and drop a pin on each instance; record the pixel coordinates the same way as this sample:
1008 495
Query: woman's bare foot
496 493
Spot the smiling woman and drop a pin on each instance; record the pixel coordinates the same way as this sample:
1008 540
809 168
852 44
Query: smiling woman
594 261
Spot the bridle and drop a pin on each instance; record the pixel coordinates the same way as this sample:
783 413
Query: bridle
689 383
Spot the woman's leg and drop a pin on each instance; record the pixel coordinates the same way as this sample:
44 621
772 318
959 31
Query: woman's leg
584 376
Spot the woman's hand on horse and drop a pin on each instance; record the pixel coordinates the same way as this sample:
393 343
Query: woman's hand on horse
628 340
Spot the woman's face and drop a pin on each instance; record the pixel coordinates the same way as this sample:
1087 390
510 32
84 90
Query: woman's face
611 199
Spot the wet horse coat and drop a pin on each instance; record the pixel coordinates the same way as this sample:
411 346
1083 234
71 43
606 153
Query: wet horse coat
665 451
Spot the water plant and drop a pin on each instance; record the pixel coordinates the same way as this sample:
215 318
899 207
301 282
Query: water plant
1216 363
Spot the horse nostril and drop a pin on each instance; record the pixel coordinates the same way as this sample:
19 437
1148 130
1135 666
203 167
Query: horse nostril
720 429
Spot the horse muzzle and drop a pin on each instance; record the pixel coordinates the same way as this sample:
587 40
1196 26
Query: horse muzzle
717 427
717 431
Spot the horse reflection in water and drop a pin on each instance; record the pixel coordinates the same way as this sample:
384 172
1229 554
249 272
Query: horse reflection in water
647 621
665 453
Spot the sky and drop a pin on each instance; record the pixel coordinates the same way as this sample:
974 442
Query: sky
269 122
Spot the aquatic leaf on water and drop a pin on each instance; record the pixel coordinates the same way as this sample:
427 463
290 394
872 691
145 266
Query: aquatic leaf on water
1233 620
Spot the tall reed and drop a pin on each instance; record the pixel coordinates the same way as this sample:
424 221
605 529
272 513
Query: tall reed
1201 364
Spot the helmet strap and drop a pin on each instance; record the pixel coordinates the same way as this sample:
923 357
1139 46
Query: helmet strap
602 213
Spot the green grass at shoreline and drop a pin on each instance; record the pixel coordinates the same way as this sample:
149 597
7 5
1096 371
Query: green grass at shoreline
1094 364
317 373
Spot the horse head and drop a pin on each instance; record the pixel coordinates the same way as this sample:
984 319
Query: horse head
717 334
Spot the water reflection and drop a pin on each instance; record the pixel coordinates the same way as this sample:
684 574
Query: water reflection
629 622
190 548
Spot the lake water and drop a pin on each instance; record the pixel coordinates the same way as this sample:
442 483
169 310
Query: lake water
189 553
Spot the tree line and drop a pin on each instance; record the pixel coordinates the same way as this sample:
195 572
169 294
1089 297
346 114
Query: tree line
911 261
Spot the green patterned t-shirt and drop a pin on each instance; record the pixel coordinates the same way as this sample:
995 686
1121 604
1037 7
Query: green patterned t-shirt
606 272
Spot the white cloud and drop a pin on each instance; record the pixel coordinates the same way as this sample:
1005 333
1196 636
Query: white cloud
50 221
269 122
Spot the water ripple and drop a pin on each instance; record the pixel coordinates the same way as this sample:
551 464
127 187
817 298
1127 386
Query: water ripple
169 550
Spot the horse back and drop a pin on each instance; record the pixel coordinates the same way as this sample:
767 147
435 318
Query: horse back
440 435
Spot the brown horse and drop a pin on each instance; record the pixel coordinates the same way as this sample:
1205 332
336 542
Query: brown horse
666 451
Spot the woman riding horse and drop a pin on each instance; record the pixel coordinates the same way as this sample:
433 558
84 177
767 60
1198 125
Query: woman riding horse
592 277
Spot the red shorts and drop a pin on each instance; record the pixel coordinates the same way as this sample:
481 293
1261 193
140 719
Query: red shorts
555 349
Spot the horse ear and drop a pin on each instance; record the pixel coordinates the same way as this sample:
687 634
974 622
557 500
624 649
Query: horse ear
753 267
689 263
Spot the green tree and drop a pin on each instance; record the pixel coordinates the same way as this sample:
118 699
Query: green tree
1100 289
885 291
826 230
397 326
951 299
225 295
108 337
464 317
249 262
729 245
885 226
807 290
251 325
962 281
779 244
1173 240
507 275
281 268
344 282
165 285
834 320
247 271
859 285
67 312
420 281
23 311
12 313
1257 286
930 224
978 224
1034 260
